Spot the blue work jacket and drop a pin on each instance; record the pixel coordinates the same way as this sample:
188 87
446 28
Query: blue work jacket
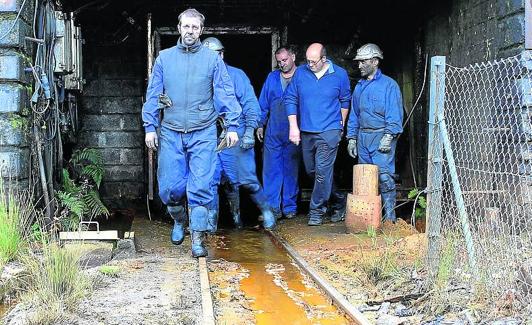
376 105
245 94
318 102
195 78
272 110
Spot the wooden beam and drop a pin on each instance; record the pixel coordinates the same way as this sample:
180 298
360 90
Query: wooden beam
89 235
206 298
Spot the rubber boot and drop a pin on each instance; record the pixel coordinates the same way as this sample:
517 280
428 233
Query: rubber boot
212 221
315 220
233 196
258 197
179 215
388 201
198 245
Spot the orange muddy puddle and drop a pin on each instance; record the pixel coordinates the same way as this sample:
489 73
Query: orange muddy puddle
278 292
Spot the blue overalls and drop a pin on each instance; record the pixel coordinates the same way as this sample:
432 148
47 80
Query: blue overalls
196 80
377 109
281 157
236 164
317 103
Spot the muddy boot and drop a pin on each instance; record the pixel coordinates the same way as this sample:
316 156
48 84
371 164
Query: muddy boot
179 215
388 201
233 196
338 215
212 222
290 215
257 196
198 245
315 220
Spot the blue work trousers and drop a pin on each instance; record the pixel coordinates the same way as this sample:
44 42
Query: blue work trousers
186 168
368 153
319 154
280 174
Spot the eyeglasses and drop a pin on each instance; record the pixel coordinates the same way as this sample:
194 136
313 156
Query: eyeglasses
310 62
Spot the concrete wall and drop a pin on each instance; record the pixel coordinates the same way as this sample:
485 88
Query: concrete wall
14 90
110 115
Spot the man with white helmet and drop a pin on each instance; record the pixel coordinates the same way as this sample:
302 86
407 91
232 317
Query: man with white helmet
375 121
237 164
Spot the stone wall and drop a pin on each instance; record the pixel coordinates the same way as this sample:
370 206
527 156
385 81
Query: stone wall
14 90
110 115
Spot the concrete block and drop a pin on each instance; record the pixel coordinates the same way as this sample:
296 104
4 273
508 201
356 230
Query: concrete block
122 173
14 6
125 122
511 31
112 105
525 86
12 68
13 97
15 35
112 139
508 7
114 88
122 190
12 129
14 163
121 156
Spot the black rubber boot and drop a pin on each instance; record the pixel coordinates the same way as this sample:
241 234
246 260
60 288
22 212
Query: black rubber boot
233 196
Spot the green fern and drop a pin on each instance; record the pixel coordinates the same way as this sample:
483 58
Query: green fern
94 204
73 203
94 172
93 156
68 184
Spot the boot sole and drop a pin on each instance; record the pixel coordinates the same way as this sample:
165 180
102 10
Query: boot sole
177 242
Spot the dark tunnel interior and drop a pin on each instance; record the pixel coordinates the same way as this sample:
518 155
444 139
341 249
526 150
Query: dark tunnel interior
115 33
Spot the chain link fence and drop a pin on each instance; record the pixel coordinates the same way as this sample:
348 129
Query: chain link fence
480 181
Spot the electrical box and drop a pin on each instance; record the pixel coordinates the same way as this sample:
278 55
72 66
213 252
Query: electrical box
68 51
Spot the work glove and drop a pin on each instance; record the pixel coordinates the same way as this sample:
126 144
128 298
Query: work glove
352 148
164 101
248 140
386 143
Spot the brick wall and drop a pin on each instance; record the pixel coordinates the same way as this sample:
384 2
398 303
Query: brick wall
111 121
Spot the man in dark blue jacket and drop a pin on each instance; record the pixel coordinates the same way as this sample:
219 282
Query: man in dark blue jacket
317 103
281 157
375 121
237 164
193 83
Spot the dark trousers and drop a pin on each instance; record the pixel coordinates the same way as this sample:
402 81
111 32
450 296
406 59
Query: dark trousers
319 153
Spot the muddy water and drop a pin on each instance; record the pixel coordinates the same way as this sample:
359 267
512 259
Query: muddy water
278 291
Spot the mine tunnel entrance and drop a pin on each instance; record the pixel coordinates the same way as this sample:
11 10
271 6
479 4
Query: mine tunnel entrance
115 66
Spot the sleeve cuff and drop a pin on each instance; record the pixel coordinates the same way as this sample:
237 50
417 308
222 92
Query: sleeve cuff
149 128
345 104
232 129
291 110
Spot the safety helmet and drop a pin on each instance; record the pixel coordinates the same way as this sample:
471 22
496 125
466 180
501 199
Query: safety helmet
213 43
368 51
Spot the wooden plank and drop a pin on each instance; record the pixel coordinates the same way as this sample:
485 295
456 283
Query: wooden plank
337 298
206 298
89 235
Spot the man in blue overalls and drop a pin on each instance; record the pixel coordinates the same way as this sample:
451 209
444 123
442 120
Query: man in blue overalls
281 157
237 164
193 83
317 103
375 122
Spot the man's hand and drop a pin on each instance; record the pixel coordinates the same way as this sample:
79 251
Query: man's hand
248 140
260 134
386 143
294 135
151 140
231 138
352 148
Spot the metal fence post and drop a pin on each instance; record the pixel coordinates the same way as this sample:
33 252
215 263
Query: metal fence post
435 159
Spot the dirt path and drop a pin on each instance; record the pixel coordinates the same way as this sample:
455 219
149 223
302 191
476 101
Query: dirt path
160 286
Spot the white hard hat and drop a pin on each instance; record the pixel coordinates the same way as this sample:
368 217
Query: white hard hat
213 43
368 51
